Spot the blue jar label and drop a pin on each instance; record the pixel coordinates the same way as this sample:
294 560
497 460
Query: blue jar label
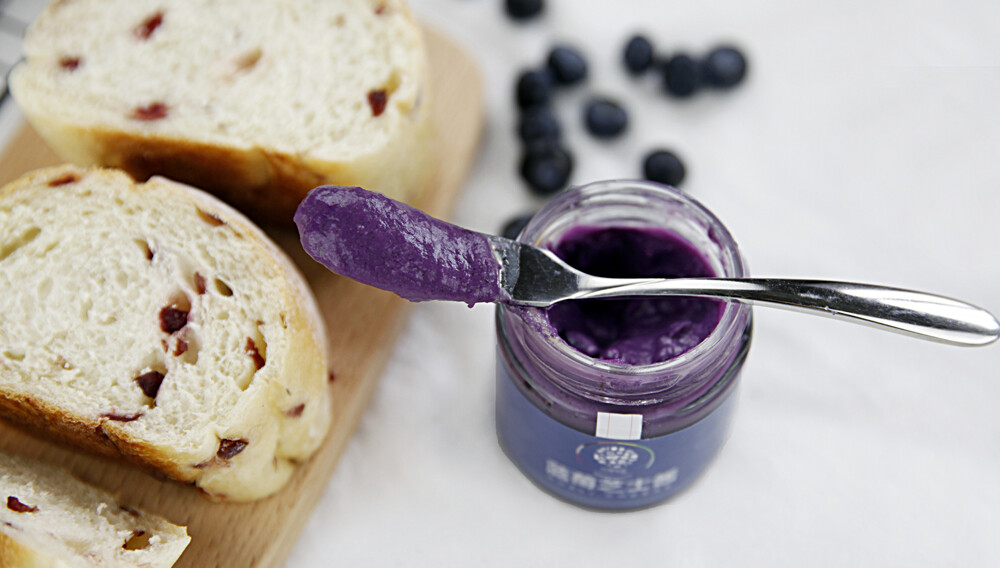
600 472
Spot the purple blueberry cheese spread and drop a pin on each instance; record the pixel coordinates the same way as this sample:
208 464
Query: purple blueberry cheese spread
636 331
370 238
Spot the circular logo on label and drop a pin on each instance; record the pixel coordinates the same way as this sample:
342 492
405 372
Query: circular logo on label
615 456
614 459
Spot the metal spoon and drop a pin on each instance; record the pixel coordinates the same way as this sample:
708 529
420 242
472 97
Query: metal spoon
532 276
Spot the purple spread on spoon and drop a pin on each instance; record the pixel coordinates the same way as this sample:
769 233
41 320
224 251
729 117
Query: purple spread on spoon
368 237
378 241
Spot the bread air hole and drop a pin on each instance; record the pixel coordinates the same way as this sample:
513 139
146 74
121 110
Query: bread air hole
63 180
248 60
24 240
138 541
146 250
210 219
13 356
223 288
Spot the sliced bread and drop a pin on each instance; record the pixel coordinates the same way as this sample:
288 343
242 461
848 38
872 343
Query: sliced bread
257 101
52 519
154 322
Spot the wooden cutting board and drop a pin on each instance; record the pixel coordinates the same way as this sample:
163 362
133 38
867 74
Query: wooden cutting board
362 325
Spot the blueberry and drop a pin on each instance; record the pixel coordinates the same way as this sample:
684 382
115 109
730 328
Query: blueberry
534 88
681 75
724 67
605 118
514 226
663 166
567 65
523 9
538 123
546 167
638 55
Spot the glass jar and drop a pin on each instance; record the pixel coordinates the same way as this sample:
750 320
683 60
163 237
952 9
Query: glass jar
606 434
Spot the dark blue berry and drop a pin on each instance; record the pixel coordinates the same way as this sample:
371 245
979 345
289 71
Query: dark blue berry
567 65
514 226
681 75
538 123
664 167
546 167
724 67
523 9
638 55
534 88
605 118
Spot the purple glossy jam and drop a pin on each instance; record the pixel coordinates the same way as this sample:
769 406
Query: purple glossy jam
370 238
636 331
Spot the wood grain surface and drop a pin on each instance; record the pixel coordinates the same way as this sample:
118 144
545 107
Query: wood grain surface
362 322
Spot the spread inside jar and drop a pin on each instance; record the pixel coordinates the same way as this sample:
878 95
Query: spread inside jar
634 331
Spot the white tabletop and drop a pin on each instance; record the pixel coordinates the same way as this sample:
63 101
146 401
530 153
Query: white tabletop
865 146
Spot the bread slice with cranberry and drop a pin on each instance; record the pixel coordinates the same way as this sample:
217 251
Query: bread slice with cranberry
257 101
153 322
52 519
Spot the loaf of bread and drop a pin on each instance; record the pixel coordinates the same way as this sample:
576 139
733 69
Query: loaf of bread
52 519
154 322
257 101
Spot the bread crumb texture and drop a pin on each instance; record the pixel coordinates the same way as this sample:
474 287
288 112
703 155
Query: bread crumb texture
155 322
50 518
289 95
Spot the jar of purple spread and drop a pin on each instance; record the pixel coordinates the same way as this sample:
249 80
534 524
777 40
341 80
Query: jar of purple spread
620 404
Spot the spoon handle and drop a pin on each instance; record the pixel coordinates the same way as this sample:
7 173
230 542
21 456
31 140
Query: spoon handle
918 314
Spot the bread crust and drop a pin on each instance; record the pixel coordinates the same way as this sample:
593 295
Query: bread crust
279 437
264 184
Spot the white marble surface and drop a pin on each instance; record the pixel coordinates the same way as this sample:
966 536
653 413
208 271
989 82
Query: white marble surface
864 146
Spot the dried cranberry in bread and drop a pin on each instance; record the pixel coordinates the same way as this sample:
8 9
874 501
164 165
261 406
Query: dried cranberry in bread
154 322
49 518
257 101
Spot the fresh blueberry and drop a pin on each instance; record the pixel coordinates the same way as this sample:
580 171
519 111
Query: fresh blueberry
638 55
567 65
681 75
724 67
546 167
538 123
514 226
663 166
605 118
523 9
534 88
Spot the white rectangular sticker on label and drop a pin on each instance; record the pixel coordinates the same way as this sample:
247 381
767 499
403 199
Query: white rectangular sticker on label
618 426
